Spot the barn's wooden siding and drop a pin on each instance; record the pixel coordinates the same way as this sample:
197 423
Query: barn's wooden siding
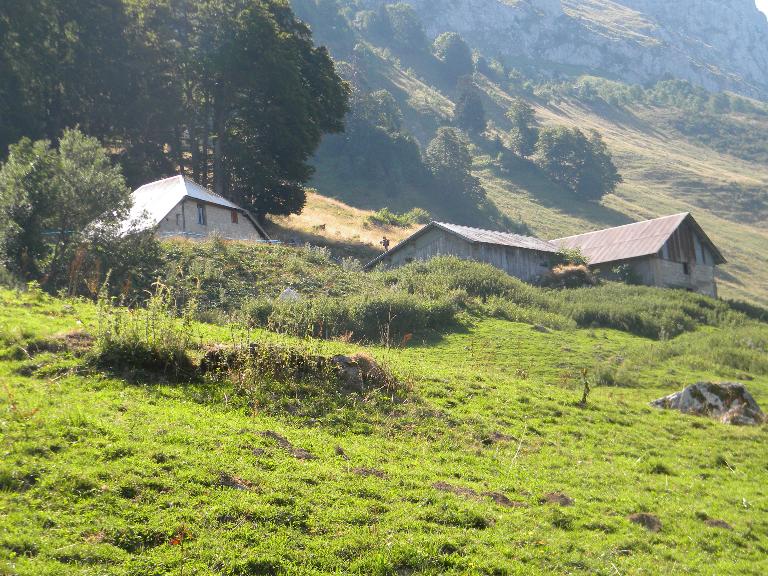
521 263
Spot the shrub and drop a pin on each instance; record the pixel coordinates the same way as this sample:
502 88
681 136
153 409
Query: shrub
445 274
569 256
386 217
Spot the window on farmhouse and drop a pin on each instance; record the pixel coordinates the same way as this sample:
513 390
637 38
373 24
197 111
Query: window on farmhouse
179 221
686 269
234 216
201 218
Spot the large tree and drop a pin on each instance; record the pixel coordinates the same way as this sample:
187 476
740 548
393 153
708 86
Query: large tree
469 112
448 158
374 148
581 163
451 49
231 92
525 130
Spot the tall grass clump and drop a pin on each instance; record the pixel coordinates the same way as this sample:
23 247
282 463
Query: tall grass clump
643 311
384 316
154 338
447 273
730 352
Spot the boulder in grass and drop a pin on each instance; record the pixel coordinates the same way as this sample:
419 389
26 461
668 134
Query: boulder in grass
728 402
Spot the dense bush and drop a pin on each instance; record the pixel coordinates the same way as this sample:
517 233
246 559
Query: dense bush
445 274
229 279
224 275
643 310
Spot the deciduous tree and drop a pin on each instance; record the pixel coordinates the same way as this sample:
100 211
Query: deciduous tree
525 131
448 158
582 164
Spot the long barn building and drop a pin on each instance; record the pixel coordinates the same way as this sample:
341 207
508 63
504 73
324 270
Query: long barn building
524 257
672 251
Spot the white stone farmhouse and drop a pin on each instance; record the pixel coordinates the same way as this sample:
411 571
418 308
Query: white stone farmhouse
178 207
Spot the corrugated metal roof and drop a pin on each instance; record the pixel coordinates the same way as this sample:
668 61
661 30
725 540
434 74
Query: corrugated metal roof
498 238
152 202
624 242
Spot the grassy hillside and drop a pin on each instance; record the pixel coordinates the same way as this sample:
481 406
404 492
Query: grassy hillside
348 230
481 461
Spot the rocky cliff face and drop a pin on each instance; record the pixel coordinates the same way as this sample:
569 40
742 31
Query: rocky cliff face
719 44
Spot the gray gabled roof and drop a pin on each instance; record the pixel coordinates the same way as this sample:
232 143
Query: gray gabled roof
478 236
498 238
633 240
152 202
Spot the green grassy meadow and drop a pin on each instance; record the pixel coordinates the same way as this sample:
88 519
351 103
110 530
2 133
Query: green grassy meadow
115 473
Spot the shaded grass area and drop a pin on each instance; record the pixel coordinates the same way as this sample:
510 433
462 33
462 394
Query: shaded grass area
99 476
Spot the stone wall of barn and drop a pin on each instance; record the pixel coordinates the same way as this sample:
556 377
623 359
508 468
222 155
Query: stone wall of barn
528 265
699 277
655 271
183 221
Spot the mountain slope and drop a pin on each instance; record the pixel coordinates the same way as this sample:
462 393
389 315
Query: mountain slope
714 43
678 147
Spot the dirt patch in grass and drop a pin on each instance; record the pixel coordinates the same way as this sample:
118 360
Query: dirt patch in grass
340 452
556 498
498 437
458 490
76 342
366 472
647 521
236 482
715 523
503 500
285 444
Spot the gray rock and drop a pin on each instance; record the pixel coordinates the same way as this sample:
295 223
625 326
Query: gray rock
728 402
289 295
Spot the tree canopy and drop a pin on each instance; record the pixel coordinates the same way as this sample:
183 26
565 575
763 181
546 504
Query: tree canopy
230 92
451 49
448 158
581 163
374 147
469 112
50 197
525 131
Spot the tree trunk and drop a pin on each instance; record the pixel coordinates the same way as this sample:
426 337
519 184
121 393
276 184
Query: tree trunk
218 130
205 136
179 149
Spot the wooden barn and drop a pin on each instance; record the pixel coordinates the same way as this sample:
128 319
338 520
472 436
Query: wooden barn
672 252
520 256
